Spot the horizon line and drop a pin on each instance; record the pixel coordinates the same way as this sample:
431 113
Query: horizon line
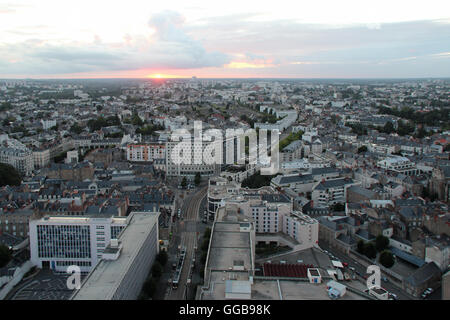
231 78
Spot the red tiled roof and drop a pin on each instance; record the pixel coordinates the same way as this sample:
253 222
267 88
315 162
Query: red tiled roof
286 270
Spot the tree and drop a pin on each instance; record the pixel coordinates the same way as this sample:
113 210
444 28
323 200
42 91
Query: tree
157 270
360 246
205 245
197 178
388 127
149 287
387 259
162 257
337 207
362 149
256 181
370 251
5 255
136 120
184 182
76 129
207 233
381 243
9 176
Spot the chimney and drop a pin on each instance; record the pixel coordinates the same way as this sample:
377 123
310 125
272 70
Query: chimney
312 203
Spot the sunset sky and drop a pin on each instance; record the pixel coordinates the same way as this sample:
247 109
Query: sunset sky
224 39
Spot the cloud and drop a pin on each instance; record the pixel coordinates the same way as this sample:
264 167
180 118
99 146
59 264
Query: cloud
168 47
288 41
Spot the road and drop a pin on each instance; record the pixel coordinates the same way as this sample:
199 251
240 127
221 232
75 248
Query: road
187 228
362 270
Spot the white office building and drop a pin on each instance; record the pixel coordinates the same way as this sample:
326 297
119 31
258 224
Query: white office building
125 263
57 242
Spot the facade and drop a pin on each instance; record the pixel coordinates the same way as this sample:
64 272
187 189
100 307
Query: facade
146 152
72 156
47 124
16 154
15 222
302 228
446 286
440 182
330 192
59 241
187 165
41 158
398 164
76 172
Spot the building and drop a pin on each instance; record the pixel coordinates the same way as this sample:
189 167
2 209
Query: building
190 163
76 172
437 250
41 158
15 222
314 275
146 152
220 189
16 154
329 192
427 276
398 164
48 124
440 182
57 242
72 157
230 262
446 286
302 228
125 264
272 214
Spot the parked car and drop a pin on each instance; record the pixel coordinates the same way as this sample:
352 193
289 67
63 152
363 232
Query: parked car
393 296
385 279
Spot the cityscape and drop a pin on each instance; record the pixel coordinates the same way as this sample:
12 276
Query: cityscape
220 177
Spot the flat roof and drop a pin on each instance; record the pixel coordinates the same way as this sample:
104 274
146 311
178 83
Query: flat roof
103 281
294 290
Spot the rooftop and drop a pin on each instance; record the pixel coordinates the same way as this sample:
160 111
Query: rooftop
104 279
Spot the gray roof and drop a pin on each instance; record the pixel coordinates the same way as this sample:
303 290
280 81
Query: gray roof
297 179
333 183
423 274
362 191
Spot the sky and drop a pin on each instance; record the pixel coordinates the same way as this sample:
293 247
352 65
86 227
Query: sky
224 39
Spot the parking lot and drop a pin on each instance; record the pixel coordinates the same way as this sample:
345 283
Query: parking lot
46 285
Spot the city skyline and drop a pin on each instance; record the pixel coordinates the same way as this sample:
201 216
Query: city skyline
231 40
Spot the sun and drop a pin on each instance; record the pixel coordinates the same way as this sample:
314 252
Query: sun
156 76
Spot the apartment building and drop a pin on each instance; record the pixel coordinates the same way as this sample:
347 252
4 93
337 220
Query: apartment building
146 152
329 192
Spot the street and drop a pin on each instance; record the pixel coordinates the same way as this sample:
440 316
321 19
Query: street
362 270
186 230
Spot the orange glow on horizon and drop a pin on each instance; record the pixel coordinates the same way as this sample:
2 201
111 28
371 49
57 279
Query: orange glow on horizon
164 76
